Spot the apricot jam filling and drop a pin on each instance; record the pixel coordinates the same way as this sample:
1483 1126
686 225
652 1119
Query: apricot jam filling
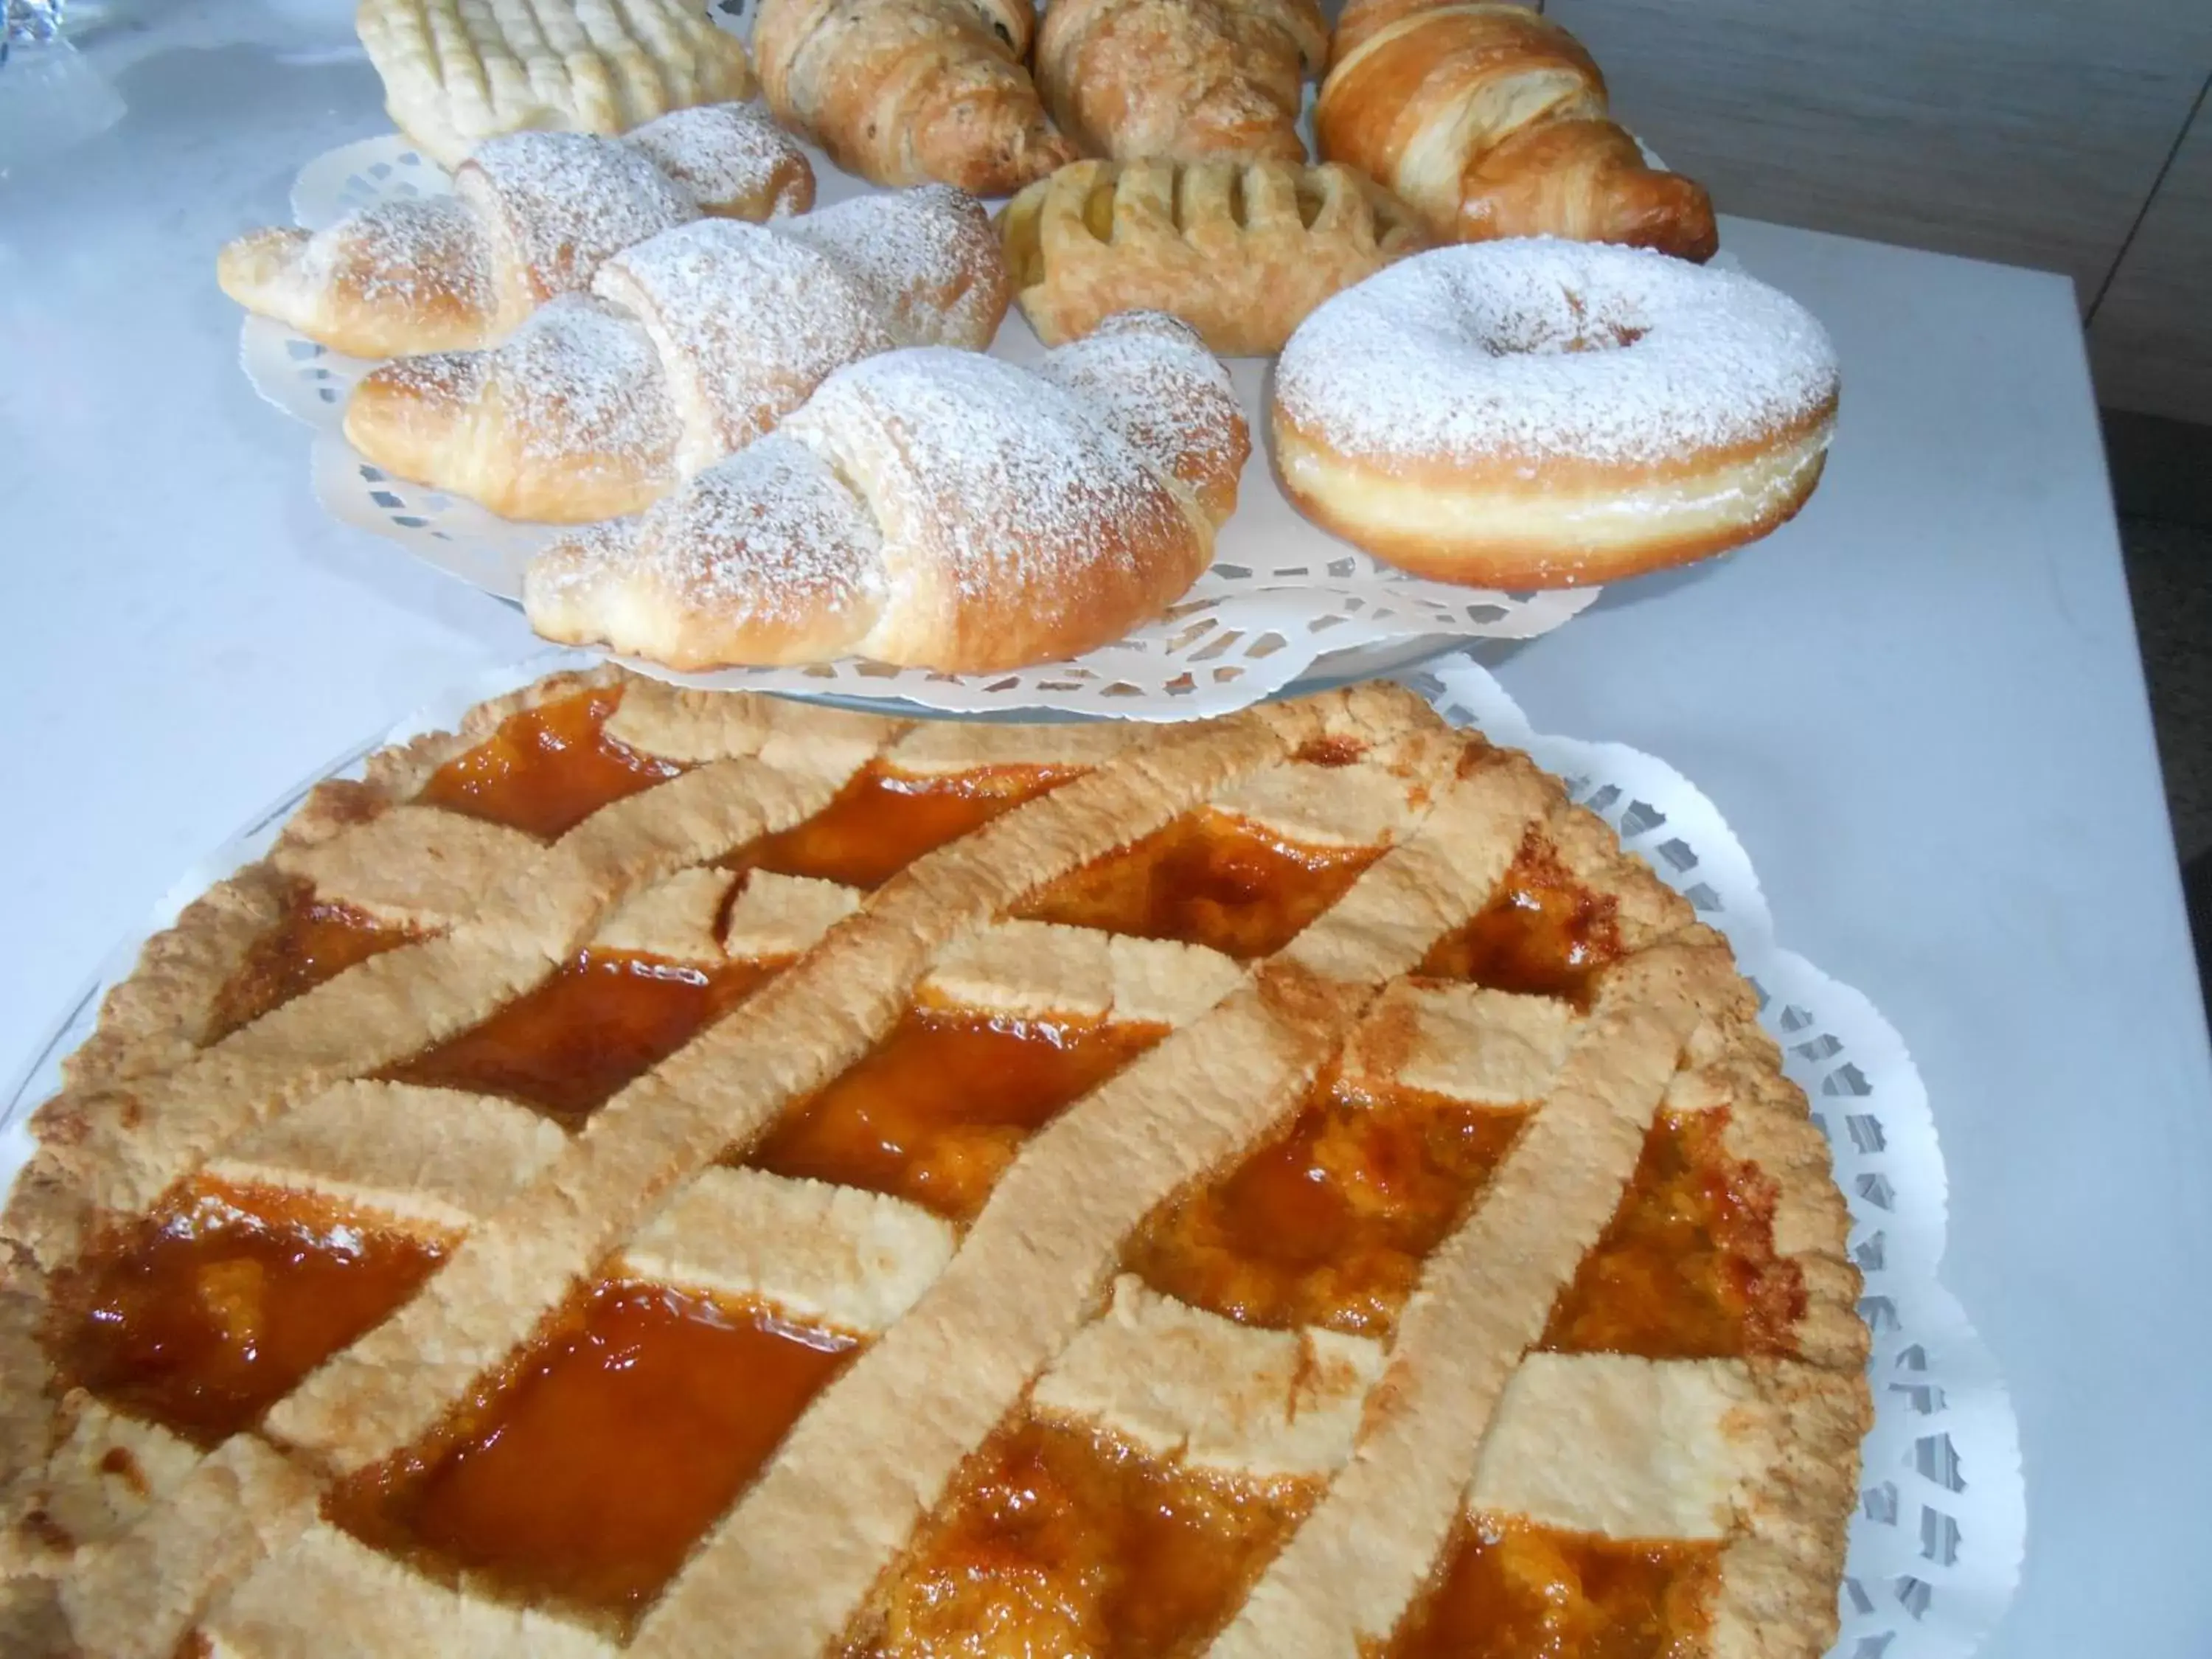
606 1452
567 1047
882 821
936 1112
311 942
1329 1224
1058 1541
545 770
1542 934
206 1313
1687 1269
1207 878
1512 1590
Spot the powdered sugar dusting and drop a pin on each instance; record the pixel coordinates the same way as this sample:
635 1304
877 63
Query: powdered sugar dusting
580 382
747 321
1155 382
568 200
1515 348
1000 496
929 255
924 505
761 553
728 154
402 254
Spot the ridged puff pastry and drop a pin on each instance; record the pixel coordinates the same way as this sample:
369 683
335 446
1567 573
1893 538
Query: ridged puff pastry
532 215
1241 250
457 72
1492 121
691 346
933 509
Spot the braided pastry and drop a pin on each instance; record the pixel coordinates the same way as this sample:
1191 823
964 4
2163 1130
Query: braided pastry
1240 251
531 216
901 91
1181 78
934 508
1491 121
457 72
690 345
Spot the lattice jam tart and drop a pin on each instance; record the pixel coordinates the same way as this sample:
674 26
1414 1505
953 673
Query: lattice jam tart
684 1173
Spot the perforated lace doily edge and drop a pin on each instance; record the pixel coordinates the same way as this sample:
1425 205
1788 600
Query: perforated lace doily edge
1897 1602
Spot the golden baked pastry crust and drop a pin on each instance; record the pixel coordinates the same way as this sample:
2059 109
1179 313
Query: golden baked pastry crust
1180 79
457 72
721 834
1241 251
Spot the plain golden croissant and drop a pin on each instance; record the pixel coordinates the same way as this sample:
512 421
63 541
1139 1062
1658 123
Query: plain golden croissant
689 346
904 91
1490 121
532 215
1181 79
940 509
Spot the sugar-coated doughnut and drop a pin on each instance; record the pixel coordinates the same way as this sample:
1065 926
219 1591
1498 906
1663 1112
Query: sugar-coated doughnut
1540 413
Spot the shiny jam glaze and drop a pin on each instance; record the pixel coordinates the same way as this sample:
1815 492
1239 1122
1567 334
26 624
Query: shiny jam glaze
1516 1590
616 1441
206 1313
1207 878
311 942
1686 1268
881 821
1057 1543
545 770
1329 1224
936 1112
1542 934
567 1047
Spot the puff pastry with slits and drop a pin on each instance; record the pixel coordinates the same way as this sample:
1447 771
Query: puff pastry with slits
1241 251
457 72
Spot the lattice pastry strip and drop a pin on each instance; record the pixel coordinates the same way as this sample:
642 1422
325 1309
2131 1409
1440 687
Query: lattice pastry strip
1025 971
568 882
724 839
987 1327
1694 1451
792 1036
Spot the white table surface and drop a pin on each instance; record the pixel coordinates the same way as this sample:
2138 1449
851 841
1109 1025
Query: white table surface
1920 705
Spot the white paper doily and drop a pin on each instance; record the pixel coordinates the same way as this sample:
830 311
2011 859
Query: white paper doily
1284 602
1936 1544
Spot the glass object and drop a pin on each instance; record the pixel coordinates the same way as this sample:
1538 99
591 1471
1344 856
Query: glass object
30 22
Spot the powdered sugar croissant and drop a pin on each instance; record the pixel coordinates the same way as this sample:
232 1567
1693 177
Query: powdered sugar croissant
691 346
933 509
532 215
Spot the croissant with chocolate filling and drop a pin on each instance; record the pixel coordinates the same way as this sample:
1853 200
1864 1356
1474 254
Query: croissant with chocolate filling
1490 121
